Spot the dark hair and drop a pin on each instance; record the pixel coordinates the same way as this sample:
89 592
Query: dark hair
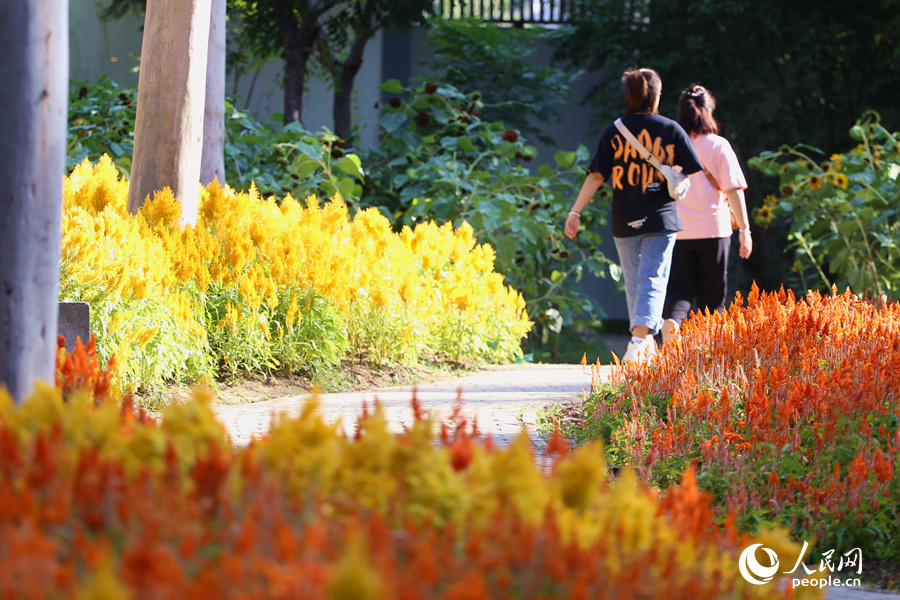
642 88
695 110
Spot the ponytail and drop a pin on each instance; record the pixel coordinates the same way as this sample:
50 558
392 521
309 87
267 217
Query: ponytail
695 111
642 89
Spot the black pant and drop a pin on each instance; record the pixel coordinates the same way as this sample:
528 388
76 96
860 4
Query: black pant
699 272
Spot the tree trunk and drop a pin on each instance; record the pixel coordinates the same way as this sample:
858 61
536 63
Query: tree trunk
168 134
34 71
296 57
212 164
345 74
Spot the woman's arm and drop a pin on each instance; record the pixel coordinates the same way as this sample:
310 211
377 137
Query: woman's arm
591 184
738 208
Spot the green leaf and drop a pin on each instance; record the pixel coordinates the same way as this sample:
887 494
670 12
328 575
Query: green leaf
848 227
564 160
306 168
391 122
314 151
350 165
392 86
582 154
294 127
864 177
465 144
556 276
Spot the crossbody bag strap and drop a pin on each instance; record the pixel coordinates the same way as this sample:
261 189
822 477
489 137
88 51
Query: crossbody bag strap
645 154
712 179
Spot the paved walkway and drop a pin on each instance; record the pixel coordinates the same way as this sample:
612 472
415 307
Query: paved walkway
498 397
502 399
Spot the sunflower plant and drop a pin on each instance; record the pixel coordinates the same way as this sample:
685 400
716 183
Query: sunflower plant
439 160
842 211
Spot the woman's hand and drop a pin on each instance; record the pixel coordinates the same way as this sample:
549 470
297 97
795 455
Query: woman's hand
746 243
572 222
591 184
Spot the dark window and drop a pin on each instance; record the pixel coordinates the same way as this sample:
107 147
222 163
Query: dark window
516 12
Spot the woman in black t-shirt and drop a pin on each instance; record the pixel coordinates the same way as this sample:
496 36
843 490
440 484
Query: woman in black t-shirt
644 217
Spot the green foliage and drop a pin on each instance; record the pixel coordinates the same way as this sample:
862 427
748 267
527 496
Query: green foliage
438 161
101 121
170 354
278 160
289 160
301 331
843 212
502 62
782 71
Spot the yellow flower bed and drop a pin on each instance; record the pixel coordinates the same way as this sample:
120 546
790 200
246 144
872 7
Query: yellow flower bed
260 284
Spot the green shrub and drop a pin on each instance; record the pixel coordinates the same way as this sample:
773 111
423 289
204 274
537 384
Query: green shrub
438 160
842 212
101 121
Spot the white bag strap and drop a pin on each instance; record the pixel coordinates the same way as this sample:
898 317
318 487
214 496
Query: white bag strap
645 154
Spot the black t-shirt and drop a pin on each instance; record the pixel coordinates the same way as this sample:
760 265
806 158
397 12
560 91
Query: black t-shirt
641 201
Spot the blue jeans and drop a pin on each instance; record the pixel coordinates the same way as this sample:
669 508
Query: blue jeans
646 260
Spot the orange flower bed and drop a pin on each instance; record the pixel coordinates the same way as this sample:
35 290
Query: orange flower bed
100 501
789 408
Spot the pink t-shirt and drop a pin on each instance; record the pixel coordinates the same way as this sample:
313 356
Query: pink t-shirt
703 211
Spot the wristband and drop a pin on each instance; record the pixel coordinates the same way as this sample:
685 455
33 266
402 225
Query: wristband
747 231
572 213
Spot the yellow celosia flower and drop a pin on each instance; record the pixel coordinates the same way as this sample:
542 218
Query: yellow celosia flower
354 577
103 584
258 252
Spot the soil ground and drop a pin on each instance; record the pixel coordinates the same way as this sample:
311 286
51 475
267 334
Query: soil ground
353 375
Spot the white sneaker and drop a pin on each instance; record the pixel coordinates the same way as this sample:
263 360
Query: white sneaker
640 352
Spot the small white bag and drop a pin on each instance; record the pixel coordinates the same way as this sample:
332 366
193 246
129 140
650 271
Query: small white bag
677 181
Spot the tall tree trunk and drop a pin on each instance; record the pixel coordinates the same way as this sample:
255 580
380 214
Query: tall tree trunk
34 71
297 50
212 164
345 74
168 135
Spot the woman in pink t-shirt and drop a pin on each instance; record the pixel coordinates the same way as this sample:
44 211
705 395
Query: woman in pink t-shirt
699 269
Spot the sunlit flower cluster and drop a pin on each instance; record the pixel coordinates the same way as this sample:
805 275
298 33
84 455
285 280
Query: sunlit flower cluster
840 211
100 501
260 283
790 406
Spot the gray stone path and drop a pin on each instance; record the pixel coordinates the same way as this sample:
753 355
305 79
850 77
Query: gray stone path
499 397
496 397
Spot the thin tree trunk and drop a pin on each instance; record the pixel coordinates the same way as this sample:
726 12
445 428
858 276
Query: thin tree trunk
168 136
34 71
212 166
345 74
296 58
